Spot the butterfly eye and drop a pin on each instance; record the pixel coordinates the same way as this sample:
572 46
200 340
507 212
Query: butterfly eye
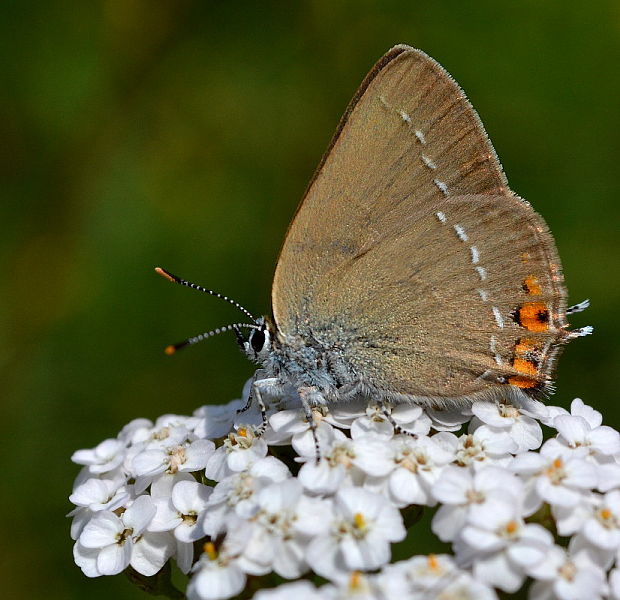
257 340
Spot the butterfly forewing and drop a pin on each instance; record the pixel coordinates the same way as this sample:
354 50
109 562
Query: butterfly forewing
408 138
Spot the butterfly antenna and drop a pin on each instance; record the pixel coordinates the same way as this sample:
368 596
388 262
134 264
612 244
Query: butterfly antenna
170 277
203 336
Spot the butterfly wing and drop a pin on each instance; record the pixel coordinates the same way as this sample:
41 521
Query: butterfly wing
380 261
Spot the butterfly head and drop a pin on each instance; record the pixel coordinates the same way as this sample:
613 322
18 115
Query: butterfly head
257 345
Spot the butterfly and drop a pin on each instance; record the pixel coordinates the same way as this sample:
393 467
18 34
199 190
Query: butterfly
410 273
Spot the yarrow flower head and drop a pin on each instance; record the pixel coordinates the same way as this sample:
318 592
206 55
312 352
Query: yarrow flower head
525 496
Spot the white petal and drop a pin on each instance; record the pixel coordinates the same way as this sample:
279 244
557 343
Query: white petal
189 531
102 530
405 487
586 584
547 568
86 559
322 555
500 511
612 501
114 558
217 465
537 534
321 478
558 447
452 486
374 456
573 429
496 442
365 426
81 516
166 517
149 462
527 433
216 420
579 408
259 548
300 590
288 421
184 556
314 515
304 445
270 468
498 572
92 491
190 497
556 494
526 554
289 559
488 413
352 500
580 474
448 441
280 496
530 500
197 454
364 554
606 440
528 463
163 484
239 460
151 551
448 522
480 539
614 583
389 524
569 519
217 584
600 536
139 514
497 478
583 553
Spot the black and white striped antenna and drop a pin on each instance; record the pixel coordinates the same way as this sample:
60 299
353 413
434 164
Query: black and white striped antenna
203 336
170 277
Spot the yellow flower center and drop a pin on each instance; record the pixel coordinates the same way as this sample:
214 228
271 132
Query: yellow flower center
511 527
555 472
359 521
210 551
176 457
433 563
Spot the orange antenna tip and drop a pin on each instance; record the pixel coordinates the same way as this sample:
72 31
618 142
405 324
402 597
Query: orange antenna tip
169 350
164 274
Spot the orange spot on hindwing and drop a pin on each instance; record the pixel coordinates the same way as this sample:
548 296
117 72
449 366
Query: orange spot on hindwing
523 382
534 316
531 286
526 360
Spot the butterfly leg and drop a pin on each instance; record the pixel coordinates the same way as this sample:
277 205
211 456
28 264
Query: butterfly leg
270 385
310 397
388 415
250 400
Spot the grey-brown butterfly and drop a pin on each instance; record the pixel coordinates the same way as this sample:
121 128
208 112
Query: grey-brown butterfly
410 272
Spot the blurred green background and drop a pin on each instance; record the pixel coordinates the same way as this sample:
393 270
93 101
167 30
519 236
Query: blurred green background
182 134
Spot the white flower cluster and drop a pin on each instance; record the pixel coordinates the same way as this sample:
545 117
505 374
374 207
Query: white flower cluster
515 509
